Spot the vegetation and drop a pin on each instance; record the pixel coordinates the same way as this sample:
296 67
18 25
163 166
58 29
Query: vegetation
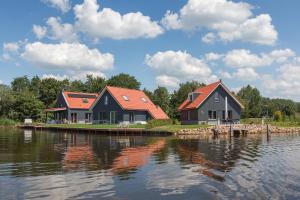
174 128
7 122
158 122
27 98
100 126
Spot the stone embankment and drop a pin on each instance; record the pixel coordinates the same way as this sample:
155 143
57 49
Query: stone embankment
247 128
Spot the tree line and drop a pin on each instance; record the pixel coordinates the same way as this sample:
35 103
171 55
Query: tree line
26 97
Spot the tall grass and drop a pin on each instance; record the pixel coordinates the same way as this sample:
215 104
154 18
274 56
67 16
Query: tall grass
7 122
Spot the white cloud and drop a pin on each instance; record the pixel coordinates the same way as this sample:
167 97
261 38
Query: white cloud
62 5
55 76
230 20
244 58
209 38
282 55
72 57
39 31
246 74
177 65
213 56
11 47
61 32
1 82
108 23
167 81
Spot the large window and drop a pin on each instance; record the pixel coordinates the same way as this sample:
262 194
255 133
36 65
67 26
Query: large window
88 117
212 114
102 117
217 97
229 115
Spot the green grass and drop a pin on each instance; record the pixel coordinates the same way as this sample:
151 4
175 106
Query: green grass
7 122
287 123
99 126
175 128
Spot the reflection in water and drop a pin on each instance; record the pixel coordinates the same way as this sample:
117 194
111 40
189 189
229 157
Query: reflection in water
78 166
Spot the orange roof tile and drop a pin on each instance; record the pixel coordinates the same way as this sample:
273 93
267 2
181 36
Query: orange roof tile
204 93
137 100
79 100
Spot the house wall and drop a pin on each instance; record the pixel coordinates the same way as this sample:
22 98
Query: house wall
80 115
210 104
121 115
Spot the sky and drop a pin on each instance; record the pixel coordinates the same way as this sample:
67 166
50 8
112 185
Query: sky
160 42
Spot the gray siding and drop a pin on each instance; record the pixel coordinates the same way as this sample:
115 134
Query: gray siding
219 107
80 115
121 115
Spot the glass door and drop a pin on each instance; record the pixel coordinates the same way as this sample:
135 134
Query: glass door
113 117
131 117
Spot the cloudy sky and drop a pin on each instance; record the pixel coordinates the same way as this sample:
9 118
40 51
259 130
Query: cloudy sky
161 42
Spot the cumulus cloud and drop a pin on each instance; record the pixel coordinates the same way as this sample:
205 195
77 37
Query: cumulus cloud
11 47
213 56
71 57
167 81
286 83
172 66
55 76
39 31
63 5
108 23
230 20
61 32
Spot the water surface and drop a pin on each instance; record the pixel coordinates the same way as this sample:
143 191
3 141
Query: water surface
35 165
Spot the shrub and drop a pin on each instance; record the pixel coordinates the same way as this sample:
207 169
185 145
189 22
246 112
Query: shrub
278 116
176 122
7 122
158 122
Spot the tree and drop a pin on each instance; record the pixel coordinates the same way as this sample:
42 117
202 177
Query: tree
77 86
94 84
252 101
278 116
149 94
50 88
181 94
20 83
6 101
124 81
27 105
161 98
35 85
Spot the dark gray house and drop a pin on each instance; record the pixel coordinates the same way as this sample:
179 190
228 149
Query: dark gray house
121 105
73 107
211 104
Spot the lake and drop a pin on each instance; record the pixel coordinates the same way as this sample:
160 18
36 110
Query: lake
46 165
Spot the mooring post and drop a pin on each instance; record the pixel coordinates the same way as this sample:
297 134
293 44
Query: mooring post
268 132
231 130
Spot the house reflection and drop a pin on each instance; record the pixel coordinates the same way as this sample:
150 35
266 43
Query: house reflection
135 157
214 156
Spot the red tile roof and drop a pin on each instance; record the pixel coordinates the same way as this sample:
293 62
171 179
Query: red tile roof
79 100
204 93
136 102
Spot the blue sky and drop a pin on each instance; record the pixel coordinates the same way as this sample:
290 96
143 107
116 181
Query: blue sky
161 42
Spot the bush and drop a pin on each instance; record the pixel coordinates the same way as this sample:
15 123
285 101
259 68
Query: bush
7 122
278 116
158 122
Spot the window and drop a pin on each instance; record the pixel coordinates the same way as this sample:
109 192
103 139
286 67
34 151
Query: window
212 114
85 100
144 100
217 98
191 96
125 98
106 100
87 117
102 117
229 115
189 115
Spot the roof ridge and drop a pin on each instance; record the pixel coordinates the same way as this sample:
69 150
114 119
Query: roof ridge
124 88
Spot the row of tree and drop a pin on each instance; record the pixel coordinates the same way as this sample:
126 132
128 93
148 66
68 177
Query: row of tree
29 97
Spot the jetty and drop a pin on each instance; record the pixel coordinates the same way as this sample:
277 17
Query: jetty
99 131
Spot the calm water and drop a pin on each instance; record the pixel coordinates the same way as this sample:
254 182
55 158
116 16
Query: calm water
35 165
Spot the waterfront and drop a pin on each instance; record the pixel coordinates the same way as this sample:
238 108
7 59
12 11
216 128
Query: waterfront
81 166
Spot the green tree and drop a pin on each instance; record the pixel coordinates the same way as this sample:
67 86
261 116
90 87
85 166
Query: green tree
124 81
252 101
180 95
35 85
149 94
27 105
278 116
77 86
161 98
50 88
94 84
20 83
6 101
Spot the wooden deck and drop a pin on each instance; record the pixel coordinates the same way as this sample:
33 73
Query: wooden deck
100 131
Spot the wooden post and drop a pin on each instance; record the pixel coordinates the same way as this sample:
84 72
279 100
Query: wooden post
231 130
268 132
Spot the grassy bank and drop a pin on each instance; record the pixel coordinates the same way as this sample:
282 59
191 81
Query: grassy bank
287 123
7 122
170 128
